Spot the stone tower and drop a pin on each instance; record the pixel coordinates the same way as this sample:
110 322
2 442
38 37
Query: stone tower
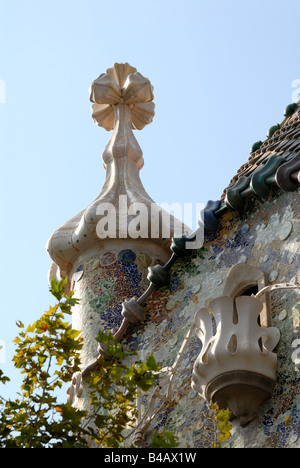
112 249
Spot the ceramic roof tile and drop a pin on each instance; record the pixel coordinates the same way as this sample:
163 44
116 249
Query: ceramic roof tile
284 142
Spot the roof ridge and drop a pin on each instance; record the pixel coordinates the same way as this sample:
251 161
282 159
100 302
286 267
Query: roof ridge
276 143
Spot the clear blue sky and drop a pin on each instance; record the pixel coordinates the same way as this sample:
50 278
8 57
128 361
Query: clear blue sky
222 73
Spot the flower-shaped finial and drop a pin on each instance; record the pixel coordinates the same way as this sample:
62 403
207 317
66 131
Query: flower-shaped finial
122 101
122 84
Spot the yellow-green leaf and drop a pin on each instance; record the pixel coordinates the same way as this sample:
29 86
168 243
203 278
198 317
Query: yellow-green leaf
31 328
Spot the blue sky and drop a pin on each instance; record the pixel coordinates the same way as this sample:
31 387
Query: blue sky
222 71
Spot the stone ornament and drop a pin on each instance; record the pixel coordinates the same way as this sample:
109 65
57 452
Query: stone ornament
236 367
133 311
75 389
122 84
122 101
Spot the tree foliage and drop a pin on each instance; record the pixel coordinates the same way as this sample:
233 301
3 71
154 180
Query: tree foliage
48 354
114 389
220 425
164 439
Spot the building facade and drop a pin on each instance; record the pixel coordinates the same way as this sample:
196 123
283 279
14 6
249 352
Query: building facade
221 318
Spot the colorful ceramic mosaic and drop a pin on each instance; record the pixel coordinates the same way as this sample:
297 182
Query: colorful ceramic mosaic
268 239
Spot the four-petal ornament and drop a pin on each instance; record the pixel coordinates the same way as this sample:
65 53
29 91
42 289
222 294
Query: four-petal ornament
122 84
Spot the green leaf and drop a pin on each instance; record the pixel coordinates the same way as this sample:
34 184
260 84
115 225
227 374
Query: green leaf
103 337
74 333
31 328
3 378
57 288
151 363
164 439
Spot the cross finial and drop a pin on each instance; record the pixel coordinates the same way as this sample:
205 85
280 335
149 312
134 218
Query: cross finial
122 84
122 101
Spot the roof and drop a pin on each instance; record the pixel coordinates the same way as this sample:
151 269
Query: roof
282 139
274 162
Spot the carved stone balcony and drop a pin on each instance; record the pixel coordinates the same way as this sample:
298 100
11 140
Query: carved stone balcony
236 367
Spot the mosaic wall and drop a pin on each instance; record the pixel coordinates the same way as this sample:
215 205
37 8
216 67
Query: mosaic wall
268 238
102 283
